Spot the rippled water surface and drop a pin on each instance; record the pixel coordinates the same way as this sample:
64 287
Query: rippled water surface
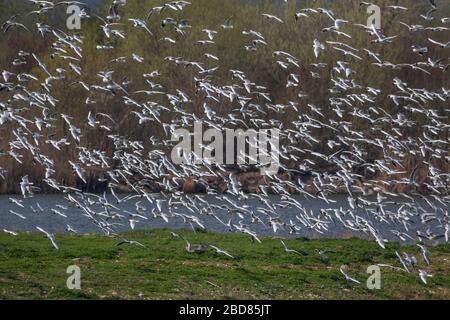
333 227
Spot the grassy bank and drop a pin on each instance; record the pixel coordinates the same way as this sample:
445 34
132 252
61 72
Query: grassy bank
31 268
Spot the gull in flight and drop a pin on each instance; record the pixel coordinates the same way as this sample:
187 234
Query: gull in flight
130 242
343 270
220 251
211 33
425 253
192 248
50 236
317 46
289 250
10 232
381 38
26 187
424 276
138 23
228 24
272 17
11 22
442 45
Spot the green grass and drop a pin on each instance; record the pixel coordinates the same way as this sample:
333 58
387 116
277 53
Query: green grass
31 269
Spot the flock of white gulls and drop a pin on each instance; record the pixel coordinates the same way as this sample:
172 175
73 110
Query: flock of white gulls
32 114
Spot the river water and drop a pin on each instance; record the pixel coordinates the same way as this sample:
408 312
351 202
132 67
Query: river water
57 224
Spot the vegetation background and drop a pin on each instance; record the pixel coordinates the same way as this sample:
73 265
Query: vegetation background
293 37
